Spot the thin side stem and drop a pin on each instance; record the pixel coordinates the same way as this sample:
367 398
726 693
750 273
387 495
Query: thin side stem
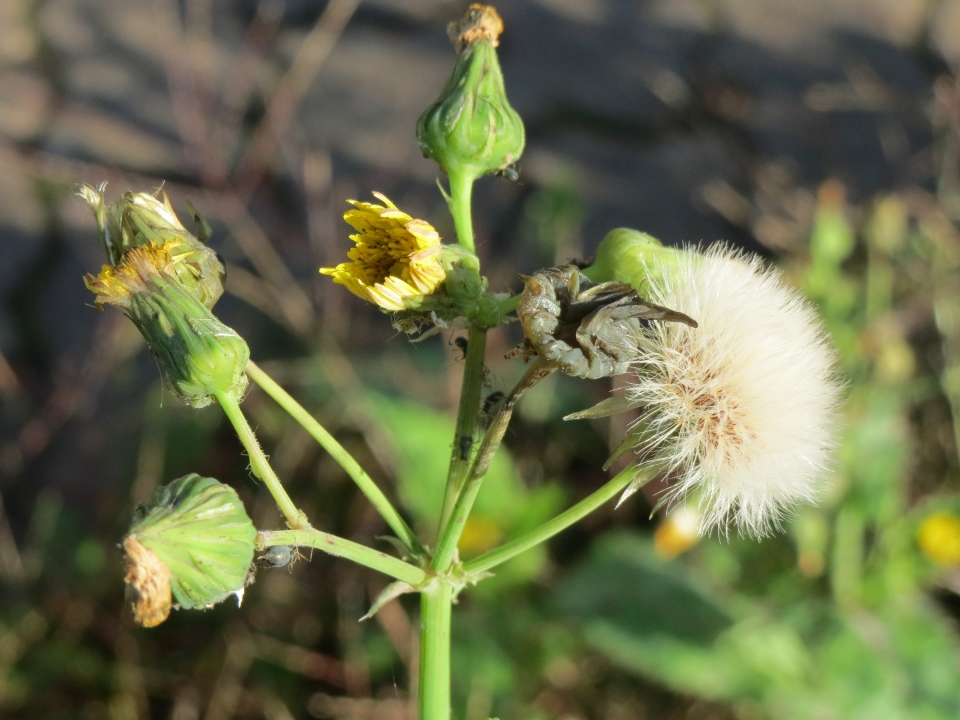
450 536
341 547
260 465
467 414
461 192
366 484
564 520
434 688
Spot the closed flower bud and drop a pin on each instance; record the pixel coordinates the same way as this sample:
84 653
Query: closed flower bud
582 328
192 542
202 356
472 130
139 219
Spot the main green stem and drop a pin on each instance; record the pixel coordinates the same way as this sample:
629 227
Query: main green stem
259 463
564 520
434 689
366 484
453 528
467 415
436 604
341 547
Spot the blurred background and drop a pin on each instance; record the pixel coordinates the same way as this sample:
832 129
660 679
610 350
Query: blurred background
824 135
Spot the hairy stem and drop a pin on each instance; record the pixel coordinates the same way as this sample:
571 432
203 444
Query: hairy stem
259 463
447 544
467 414
341 547
434 688
565 519
366 484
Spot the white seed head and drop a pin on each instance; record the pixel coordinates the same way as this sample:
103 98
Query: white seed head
742 409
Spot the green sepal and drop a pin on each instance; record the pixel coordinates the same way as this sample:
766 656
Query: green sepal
606 408
202 356
200 530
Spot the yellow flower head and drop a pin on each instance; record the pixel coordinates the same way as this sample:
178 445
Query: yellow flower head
939 538
396 258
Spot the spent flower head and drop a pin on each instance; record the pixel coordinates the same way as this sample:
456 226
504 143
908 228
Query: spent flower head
742 408
138 219
397 259
202 356
193 541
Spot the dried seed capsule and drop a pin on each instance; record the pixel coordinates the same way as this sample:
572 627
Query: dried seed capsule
585 329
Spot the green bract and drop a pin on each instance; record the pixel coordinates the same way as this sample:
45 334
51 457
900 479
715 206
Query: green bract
631 256
199 530
139 219
471 130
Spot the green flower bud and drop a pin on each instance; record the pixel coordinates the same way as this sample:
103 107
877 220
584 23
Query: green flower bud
202 356
632 257
139 219
471 130
193 540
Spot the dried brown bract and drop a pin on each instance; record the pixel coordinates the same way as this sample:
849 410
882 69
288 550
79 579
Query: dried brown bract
147 584
582 328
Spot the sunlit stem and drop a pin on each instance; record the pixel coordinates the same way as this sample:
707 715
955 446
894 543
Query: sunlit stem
434 688
341 547
467 415
366 484
447 544
561 522
259 463
461 192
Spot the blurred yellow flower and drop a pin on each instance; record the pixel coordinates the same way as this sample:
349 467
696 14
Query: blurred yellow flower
678 532
396 259
939 538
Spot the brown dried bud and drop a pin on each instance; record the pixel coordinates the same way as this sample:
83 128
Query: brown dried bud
585 329
480 23
147 584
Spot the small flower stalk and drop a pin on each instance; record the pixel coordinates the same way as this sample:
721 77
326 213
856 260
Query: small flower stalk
202 357
191 543
471 130
740 408
139 219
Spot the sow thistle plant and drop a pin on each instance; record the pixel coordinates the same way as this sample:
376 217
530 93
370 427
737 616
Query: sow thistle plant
730 375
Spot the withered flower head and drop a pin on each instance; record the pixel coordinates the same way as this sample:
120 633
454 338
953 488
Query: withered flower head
139 219
202 356
582 328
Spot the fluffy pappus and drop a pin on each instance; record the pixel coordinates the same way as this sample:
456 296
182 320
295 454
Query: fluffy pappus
742 409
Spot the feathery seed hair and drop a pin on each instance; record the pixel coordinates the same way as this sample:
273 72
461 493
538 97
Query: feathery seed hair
743 408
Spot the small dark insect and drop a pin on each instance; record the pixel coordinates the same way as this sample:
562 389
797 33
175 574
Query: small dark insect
491 402
280 555
466 442
461 343
509 173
